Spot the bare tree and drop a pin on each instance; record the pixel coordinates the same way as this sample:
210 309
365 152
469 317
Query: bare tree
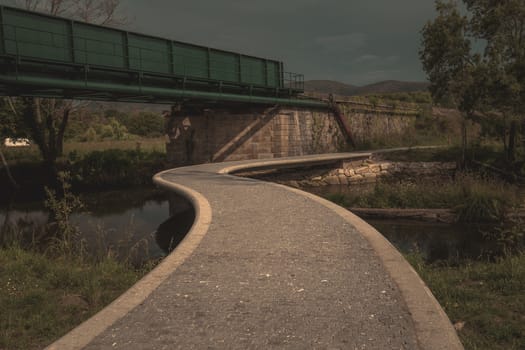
46 119
104 12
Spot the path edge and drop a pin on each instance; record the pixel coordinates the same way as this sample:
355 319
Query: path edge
434 331
83 334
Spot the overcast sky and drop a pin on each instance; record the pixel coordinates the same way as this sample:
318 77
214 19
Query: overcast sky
352 41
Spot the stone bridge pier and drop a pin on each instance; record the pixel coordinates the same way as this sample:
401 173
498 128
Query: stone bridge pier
217 133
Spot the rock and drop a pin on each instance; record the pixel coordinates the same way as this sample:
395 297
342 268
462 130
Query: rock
362 170
459 325
355 179
385 166
317 178
349 172
340 171
332 180
293 183
343 180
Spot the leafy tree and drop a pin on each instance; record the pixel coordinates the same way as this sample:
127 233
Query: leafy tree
501 24
144 124
448 60
489 85
10 127
46 119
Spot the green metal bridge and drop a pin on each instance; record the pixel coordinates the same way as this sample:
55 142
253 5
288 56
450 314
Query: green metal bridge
49 56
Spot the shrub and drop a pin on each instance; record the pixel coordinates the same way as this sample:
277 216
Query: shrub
117 168
475 199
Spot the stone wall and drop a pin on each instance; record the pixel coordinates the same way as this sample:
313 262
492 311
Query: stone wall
369 171
217 134
355 172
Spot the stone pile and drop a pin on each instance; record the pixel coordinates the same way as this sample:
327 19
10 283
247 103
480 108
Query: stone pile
368 171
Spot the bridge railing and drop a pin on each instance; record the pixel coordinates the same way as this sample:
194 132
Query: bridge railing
30 37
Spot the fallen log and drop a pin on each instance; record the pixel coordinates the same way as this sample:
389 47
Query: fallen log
436 215
447 216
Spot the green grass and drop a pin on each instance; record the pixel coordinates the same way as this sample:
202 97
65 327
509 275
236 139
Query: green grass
93 165
157 144
32 154
445 154
487 296
474 198
43 297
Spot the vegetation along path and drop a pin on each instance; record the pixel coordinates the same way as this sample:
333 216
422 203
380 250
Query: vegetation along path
269 266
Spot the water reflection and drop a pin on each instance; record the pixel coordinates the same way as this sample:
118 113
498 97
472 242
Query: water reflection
172 231
125 222
436 241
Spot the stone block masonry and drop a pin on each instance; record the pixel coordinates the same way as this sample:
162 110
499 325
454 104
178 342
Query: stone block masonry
355 172
230 133
367 171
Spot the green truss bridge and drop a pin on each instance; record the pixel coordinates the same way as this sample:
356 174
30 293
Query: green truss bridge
49 56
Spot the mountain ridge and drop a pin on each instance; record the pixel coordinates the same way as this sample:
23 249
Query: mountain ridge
386 86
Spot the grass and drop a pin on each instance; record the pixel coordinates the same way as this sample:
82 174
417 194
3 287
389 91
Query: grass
448 154
488 153
32 154
42 297
93 165
487 296
51 282
473 197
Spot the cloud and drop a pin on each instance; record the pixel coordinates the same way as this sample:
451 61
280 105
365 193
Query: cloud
344 42
367 58
392 59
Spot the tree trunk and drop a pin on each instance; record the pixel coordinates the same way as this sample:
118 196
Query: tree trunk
463 159
511 151
61 131
9 175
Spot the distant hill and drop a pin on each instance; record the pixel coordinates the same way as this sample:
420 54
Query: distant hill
387 86
330 87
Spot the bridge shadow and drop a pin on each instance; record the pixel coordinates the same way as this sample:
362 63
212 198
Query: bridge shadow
172 231
243 136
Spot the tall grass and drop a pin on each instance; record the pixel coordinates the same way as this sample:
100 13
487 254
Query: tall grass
474 198
43 296
48 282
32 154
486 297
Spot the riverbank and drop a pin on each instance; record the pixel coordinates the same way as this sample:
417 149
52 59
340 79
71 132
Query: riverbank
50 282
481 294
92 169
484 299
43 296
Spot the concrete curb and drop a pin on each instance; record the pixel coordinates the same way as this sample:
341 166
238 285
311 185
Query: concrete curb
83 334
433 328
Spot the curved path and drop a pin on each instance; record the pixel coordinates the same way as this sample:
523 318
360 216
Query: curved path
266 266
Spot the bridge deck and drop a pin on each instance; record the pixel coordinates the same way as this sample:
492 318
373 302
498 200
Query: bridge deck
266 266
50 56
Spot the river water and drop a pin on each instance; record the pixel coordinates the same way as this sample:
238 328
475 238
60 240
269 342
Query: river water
117 220
146 221
433 240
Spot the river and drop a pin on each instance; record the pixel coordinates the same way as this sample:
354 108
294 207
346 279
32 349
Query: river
146 221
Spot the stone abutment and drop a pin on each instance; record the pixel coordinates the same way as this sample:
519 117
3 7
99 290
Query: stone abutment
230 133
